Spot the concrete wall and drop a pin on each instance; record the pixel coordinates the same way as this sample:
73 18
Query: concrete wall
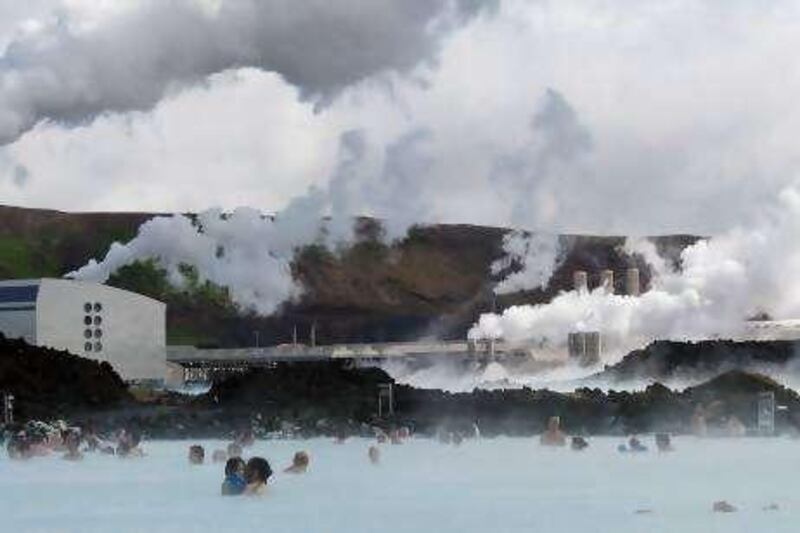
126 329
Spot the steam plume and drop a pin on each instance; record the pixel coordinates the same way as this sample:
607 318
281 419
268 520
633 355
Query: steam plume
723 281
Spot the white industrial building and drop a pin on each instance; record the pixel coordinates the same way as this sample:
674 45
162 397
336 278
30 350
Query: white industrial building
91 320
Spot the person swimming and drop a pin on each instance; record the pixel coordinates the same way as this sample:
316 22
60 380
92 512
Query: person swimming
19 447
663 442
128 445
245 438
578 444
197 454
256 473
72 441
553 436
234 483
374 455
635 445
219 456
234 450
299 463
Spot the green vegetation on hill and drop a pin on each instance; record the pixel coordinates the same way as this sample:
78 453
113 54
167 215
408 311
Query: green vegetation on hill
194 297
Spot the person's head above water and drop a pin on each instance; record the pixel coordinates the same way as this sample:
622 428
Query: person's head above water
196 454
257 471
299 464
234 467
374 455
234 483
234 450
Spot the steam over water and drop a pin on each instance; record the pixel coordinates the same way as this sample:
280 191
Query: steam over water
501 485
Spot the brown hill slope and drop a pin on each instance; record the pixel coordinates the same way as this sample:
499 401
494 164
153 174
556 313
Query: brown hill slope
435 282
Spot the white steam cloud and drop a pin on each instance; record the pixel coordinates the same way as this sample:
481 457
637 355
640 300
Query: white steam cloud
721 283
71 69
538 254
251 254
244 251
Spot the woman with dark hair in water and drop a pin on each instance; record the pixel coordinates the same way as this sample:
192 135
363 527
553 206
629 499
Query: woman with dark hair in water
234 483
256 473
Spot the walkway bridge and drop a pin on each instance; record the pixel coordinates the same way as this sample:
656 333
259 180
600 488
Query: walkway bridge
200 364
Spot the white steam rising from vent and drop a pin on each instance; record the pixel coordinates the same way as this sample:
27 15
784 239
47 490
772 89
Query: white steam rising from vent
722 282
539 255
244 251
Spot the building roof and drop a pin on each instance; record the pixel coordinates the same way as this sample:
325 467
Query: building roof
27 290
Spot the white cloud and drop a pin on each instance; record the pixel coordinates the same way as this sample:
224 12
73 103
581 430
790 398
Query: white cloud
688 105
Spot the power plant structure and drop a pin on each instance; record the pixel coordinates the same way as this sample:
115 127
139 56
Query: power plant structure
632 285
585 347
607 281
580 281
126 329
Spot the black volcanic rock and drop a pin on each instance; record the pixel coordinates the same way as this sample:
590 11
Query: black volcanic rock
694 361
49 383
302 392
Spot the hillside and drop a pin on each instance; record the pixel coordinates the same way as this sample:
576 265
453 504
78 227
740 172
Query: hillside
433 283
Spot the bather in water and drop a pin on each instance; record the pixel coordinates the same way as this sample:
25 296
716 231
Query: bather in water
579 444
374 455
234 450
256 473
72 441
196 454
234 483
635 445
299 463
553 436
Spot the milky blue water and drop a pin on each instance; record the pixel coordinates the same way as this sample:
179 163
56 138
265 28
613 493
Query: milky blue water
500 485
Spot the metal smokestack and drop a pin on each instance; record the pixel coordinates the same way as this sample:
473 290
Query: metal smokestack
632 287
607 281
580 281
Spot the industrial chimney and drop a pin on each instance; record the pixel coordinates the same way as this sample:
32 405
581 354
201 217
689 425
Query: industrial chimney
607 281
632 287
580 281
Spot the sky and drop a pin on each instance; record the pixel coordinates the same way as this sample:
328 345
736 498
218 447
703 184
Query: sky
593 116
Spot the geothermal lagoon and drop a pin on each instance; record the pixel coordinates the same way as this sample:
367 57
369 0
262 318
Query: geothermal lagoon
490 485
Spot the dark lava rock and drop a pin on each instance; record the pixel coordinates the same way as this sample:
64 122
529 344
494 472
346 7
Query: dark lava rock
671 360
49 383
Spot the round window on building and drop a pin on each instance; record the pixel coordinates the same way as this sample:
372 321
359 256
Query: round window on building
87 347
98 320
98 307
87 320
87 333
98 347
98 333
87 307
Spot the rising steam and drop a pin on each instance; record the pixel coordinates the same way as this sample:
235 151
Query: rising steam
721 283
538 254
